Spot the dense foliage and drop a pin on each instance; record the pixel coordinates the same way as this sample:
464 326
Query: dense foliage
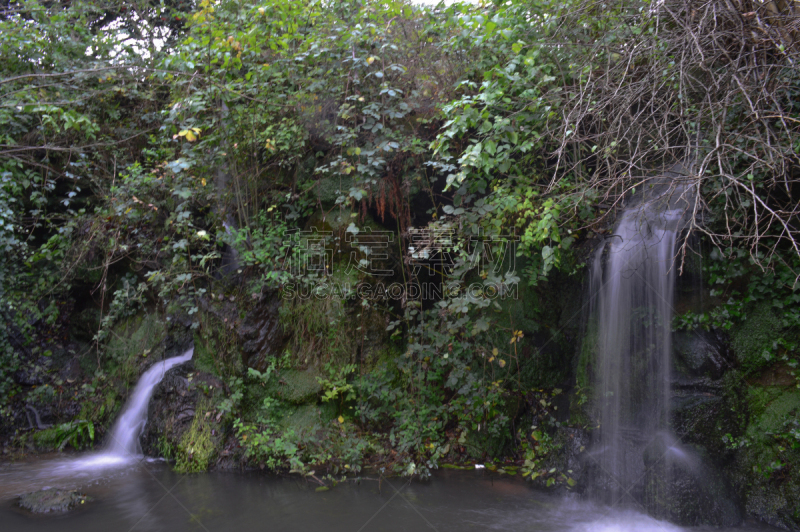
151 153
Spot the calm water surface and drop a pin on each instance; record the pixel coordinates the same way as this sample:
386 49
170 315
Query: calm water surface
148 496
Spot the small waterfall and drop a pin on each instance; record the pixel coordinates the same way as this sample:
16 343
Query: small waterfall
632 282
121 451
124 437
123 447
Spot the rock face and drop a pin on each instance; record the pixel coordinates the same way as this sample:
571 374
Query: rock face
764 468
685 480
700 354
171 410
680 486
52 500
708 414
261 333
180 421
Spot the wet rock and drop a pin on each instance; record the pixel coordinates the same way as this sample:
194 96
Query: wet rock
52 500
708 413
699 353
261 333
682 487
171 410
620 487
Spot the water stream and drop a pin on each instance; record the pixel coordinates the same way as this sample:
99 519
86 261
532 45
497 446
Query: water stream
124 437
121 450
632 284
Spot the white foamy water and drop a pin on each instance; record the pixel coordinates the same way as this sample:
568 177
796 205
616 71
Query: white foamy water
121 452
124 438
632 284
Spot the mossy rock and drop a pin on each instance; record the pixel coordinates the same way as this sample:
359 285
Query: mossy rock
769 496
752 341
770 408
305 418
765 470
321 331
136 336
52 500
182 422
216 346
198 445
296 386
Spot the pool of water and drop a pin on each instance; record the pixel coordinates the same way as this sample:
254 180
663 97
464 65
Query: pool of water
148 496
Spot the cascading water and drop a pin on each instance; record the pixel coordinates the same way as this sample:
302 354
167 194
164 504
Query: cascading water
124 437
632 282
123 441
121 451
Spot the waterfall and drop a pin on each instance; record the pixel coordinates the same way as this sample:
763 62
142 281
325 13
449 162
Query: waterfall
631 285
124 437
123 443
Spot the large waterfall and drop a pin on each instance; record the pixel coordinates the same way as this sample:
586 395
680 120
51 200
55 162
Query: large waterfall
632 284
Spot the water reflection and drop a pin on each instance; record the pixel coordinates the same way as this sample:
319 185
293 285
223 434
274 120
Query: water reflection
148 496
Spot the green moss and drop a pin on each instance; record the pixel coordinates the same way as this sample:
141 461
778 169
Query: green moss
197 446
752 342
216 348
295 386
305 418
321 331
770 409
132 339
